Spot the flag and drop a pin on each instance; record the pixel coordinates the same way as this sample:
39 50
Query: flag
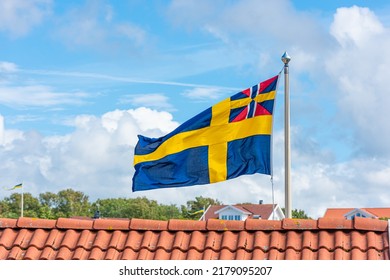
18 186
227 140
197 212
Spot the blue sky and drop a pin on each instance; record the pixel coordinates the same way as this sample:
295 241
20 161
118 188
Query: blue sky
80 79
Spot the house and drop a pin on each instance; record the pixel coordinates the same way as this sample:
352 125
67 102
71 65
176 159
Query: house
241 212
138 239
351 213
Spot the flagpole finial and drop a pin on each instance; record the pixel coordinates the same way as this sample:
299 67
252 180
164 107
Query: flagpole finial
286 58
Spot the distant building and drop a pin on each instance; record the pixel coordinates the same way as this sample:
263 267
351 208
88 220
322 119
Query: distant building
351 213
241 212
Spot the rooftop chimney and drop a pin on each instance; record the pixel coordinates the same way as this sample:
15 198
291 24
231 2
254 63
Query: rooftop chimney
260 201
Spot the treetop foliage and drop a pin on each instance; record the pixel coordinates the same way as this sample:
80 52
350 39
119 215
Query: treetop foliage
70 203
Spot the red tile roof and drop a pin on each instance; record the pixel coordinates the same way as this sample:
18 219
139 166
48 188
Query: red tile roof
137 239
340 212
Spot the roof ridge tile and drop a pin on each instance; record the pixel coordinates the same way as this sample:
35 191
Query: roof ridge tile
144 224
335 223
370 224
7 223
71 223
255 224
111 224
186 225
299 224
223 225
24 222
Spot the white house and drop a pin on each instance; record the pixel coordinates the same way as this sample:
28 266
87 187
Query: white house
241 212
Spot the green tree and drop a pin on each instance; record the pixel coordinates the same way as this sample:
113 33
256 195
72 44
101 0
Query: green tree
49 204
194 208
72 203
297 214
11 206
139 207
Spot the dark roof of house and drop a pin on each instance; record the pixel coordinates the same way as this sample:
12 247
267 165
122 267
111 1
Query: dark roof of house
340 212
263 210
138 239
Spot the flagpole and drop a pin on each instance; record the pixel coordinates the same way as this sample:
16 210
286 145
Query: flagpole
287 152
22 203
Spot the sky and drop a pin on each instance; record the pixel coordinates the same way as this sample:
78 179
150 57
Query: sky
79 80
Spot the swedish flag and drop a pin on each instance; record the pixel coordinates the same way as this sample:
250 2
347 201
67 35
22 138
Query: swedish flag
230 139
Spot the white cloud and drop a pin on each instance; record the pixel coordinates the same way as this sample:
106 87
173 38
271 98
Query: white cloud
359 69
18 17
95 158
153 100
1 130
355 25
226 21
201 93
8 67
38 96
94 26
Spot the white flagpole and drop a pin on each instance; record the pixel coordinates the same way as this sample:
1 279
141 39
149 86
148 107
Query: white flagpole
22 204
287 152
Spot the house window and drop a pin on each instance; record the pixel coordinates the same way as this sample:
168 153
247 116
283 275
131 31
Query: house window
231 217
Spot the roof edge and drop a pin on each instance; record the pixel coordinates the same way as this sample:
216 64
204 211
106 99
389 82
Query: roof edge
364 224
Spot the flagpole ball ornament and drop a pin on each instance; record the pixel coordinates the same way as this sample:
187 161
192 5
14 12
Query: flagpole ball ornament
286 58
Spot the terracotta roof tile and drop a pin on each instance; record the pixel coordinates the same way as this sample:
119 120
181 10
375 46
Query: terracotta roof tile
253 224
261 240
35 223
54 239
140 224
194 254
80 254
294 240
16 253
23 238
7 237
32 253
97 254
70 239
370 224
39 238
5 223
331 223
245 240
64 253
86 239
299 224
187 225
112 254
213 241
75 239
67 223
133 241
129 254
221 225
48 253
3 253
197 241
181 241
118 240
111 224
229 241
